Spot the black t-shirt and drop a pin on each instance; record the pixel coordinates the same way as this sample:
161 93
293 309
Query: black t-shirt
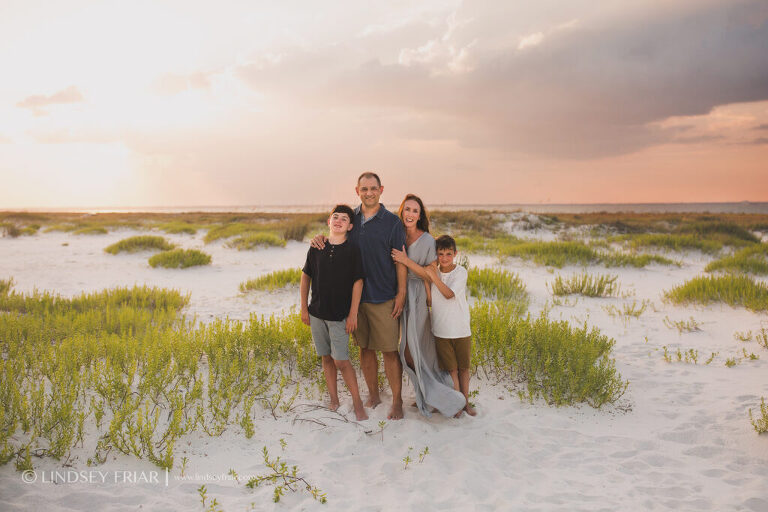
333 272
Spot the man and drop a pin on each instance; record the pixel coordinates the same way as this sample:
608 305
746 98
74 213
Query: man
376 232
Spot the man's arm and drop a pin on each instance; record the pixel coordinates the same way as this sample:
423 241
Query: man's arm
304 293
357 292
402 277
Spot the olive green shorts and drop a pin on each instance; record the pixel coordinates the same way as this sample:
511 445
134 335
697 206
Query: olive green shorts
453 353
376 329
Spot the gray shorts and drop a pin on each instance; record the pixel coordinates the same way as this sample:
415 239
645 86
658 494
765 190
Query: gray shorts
330 338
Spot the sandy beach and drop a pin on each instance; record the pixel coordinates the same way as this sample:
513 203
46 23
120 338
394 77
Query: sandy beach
679 439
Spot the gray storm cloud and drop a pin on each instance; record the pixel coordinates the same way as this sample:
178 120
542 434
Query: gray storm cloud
580 87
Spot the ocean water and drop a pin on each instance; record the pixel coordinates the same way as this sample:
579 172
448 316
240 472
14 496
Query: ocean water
739 207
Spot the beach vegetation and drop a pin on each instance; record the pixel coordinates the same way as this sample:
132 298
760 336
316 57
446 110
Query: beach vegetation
126 366
588 285
760 423
480 223
273 280
284 479
670 242
179 258
177 227
557 362
10 229
735 290
628 310
556 253
91 230
751 260
139 243
683 326
6 285
296 230
253 240
690 356
497 284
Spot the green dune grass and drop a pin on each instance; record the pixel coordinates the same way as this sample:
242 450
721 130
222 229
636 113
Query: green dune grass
601 285
91 230
752 260
497 284
139 243
253 240
735 290
273 281
559 363
180 258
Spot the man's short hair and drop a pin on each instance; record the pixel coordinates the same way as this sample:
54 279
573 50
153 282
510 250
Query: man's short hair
369 175
343 208
445 242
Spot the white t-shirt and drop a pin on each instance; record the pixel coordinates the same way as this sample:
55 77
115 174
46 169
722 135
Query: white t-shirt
450 317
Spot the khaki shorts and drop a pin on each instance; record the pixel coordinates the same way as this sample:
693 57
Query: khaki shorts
376 329
453 353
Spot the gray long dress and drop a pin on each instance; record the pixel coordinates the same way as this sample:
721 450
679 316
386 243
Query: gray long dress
433 387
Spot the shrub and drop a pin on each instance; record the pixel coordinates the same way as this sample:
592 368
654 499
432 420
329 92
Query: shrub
179 258
673 242
735 290
139 243
753 260
10 229
6 285
586 284
91 230
273 280
178 227
497 284
296 231
560 363
253 240
760 424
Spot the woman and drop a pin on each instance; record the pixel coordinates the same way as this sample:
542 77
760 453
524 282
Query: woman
433 387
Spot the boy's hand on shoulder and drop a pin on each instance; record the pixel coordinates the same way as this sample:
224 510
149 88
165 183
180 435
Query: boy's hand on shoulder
305 316
351 323
318 242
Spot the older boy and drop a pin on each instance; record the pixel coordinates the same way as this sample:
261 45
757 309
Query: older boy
450 316
335 274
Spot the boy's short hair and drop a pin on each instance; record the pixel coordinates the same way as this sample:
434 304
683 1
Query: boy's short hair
445 242
343 208
369 174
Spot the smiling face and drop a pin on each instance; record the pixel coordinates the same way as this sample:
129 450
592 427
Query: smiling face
410 214
369 191
339 223
445 258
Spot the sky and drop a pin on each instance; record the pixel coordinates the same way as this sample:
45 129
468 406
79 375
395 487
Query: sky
170 103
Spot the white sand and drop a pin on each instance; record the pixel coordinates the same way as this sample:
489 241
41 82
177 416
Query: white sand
679 440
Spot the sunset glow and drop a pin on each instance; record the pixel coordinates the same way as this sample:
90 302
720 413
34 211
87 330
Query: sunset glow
248 103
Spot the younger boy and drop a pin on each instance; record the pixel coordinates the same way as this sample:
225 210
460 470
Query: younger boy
450 316
336 277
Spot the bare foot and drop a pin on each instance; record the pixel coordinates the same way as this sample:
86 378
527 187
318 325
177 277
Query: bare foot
372 402
396 412
470 410
360 413
333 405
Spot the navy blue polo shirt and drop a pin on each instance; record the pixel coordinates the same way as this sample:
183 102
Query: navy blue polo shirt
376 238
